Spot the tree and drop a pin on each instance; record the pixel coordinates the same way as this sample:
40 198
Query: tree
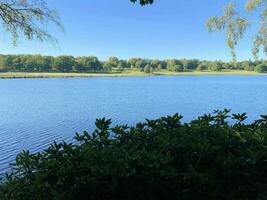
190 64
17 63
174 65
143 2
29 18
148 69
107 67
236 25
113 61
30 63
44 63
3 68
7 61
159 68
216 66
202 67
122 65
140 64
155 63
262 68
247 64
88 63
63 63
249 68
78 65
132 62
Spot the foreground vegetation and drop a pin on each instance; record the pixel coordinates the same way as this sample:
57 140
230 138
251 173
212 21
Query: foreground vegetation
207 158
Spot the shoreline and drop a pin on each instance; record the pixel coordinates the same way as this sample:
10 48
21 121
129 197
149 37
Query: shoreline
14 75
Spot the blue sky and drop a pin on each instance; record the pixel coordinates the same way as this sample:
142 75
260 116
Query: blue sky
167 29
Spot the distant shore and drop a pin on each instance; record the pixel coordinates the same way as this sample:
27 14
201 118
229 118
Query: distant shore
120 74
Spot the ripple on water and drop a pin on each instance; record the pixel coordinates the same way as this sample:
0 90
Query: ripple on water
36 112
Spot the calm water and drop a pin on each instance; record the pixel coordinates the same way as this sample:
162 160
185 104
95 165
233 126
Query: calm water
35 112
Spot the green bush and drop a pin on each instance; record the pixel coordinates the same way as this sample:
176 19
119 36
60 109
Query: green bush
3 68
148 69
207 158
202 67
262 68
216 68
249 68
175 68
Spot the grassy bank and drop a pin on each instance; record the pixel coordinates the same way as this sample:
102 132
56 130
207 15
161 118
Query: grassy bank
115 73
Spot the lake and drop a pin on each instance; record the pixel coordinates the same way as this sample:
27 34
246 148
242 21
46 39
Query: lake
36 112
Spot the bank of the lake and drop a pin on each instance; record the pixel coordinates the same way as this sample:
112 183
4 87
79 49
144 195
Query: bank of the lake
125 73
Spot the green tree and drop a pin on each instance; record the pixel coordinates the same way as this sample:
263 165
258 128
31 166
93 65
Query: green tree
216 66
132 61
63 63
28 17
3 67
236 25
44 63
249 68
122 65
202 67
159 68
7 61
262 68
148 69
29 63
174 65
17 63
140 64
143 2
79 65
190 64
91 63
137 63
155 63
88 63
113 61
107 67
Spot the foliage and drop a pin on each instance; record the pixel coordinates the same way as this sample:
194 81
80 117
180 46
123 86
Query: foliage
175 68
202 67
174 65
236 25
208 158
88 64
29 18
190 64
148 69
107 67
261 68
143 2
39 63
113 61
216 66
63 63
122 65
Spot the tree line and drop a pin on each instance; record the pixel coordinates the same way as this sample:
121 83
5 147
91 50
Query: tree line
39 63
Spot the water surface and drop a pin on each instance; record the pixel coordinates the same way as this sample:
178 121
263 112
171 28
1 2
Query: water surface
35 112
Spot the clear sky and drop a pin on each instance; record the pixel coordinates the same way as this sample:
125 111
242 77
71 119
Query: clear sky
167 29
